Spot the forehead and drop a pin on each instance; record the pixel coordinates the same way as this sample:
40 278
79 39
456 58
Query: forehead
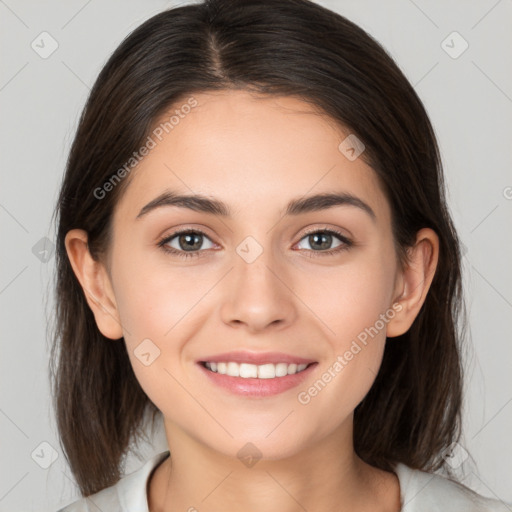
249 151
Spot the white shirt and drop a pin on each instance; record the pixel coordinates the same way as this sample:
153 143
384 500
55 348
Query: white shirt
419 492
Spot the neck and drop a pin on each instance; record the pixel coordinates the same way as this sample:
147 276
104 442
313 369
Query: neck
323 477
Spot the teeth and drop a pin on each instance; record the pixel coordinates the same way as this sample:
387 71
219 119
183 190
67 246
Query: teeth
233 369
263 371
248 371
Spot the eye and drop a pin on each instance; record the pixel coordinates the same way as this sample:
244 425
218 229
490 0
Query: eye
188 243
321 241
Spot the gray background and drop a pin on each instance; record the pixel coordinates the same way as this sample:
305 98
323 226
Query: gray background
469 100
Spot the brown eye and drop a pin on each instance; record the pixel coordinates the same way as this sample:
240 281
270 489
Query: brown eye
185 243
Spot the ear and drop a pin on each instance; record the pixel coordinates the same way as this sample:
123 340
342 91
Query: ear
95 282
414 281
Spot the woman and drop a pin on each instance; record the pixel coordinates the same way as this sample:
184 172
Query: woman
254 242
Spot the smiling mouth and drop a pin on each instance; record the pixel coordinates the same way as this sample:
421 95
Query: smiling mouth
253 371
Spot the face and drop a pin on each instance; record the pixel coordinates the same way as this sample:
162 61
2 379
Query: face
311 286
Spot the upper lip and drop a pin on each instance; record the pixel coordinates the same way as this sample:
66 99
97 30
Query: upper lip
257 358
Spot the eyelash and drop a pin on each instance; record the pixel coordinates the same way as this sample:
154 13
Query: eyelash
346 243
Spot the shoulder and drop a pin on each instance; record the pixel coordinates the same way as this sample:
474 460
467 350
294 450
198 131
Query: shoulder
428 492
127 495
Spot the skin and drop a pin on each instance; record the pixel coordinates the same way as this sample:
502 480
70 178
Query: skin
255 154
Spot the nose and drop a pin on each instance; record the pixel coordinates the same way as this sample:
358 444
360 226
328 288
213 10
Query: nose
258 294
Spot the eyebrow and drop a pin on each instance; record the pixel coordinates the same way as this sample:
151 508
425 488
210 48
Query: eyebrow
200 203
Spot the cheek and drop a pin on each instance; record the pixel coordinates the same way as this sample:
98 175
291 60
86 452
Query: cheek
153 299
158 306
353 304
151 308
350 298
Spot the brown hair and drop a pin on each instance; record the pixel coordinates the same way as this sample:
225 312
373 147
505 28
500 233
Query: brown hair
275 47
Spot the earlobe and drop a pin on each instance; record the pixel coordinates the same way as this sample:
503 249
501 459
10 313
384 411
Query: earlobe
95 283
415 281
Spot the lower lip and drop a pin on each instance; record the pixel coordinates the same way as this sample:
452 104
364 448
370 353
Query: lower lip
257 387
